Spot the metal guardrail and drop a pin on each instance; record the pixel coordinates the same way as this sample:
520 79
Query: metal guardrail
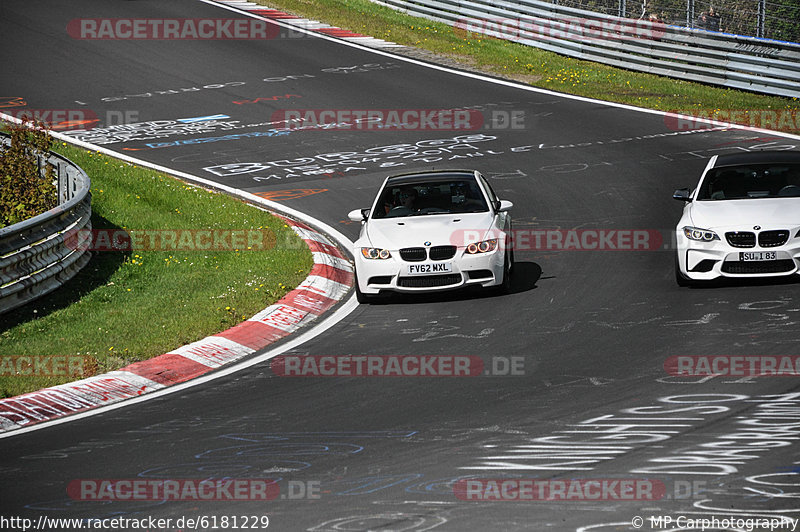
40 254
734 61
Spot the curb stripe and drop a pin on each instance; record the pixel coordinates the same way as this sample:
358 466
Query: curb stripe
253 334
310 301
65 399
307 24
334 274
214 351
285 318
335 262
324 287
327 249
168 369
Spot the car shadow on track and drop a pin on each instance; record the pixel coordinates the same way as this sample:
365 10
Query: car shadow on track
524 279
726 282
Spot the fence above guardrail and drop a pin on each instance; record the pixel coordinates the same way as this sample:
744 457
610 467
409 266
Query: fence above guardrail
734 61
35 255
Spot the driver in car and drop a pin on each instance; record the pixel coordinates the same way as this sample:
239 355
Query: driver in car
406 198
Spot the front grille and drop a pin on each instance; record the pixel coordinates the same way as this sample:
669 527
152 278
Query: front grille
741 239
480 274
771 239
380 279
413 254
764 266
429 281
442 252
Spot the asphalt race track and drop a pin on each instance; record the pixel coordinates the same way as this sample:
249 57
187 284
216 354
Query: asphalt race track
588 330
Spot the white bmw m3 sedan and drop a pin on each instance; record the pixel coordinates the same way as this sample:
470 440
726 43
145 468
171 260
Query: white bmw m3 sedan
742 220
433 231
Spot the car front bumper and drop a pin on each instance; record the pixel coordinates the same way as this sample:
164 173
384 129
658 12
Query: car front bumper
482 269
705 261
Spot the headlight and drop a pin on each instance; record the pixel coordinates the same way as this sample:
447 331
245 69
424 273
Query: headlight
375 253
482 247
701 235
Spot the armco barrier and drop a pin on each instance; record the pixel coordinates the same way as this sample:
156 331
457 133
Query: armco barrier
735 61
34 258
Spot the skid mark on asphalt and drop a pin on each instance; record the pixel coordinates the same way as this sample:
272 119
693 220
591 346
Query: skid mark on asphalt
436 333
571 380
626 324
702 321
382 521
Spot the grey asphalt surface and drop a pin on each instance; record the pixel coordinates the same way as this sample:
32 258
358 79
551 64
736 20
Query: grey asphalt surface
593 328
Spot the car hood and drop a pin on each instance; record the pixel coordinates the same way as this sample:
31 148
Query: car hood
438 229
769 213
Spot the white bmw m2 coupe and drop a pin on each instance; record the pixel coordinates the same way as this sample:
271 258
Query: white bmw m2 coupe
742 220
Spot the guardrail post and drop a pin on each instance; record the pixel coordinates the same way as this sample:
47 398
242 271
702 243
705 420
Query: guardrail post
690 13
762 15
61 183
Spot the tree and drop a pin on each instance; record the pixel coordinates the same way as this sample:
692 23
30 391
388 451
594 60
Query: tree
26 190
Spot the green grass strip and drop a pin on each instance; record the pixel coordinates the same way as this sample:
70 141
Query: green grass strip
549 70
134 305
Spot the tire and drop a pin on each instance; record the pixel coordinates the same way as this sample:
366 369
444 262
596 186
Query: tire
505 287
680 279
361 297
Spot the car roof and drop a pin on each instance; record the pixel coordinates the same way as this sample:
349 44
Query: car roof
437 175
758 157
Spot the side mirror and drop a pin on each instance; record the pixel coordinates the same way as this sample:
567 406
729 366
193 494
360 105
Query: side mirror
682 194
358 215
503 206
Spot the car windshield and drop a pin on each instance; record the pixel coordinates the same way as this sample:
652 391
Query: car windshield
751 181
430 198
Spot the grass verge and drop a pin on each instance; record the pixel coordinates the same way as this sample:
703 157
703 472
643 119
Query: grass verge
126 306
548 70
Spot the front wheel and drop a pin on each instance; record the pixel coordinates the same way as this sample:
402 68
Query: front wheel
508 267
361 297
681 279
